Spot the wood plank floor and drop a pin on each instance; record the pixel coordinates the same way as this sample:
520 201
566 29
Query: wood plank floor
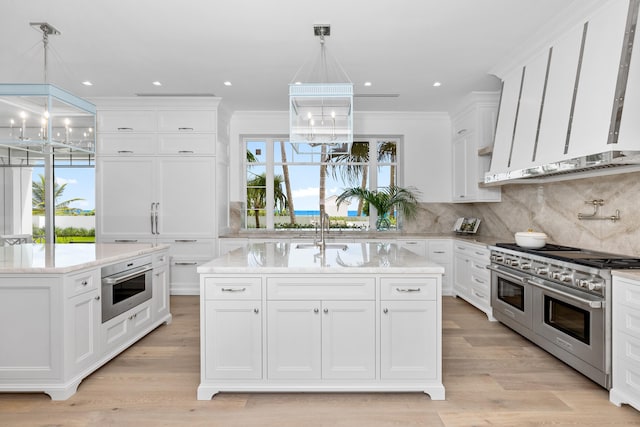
492 377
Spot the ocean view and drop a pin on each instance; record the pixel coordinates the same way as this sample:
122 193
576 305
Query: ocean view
317 212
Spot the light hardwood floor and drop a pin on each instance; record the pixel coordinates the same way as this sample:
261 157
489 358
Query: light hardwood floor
492 377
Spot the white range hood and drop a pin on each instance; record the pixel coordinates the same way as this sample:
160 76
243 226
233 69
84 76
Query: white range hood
574 105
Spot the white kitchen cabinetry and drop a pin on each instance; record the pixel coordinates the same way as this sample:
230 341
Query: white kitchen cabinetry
52 331
320 329
406 348
231 325
471 278
156 179
320 332
473 133
625 342
440 251
161 286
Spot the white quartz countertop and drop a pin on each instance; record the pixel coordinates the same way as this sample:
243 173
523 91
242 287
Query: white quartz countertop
307 258
64 258
627 274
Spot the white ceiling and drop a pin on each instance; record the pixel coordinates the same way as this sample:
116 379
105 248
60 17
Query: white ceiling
193 46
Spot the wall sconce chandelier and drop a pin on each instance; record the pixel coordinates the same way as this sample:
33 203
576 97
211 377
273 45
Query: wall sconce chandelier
321 107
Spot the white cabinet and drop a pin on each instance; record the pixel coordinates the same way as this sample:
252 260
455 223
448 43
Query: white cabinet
625 342
156 179
471 278
320 329
160 283
472 143
83 321
119 331
232 328
440 251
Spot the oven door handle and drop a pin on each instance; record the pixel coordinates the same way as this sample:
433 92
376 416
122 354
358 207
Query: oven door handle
589 303
521 279
114 280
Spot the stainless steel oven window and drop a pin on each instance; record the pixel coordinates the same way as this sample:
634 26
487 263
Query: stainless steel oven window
568 319
125 290
511 293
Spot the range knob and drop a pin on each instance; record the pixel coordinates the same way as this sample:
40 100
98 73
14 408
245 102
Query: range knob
542 271
513 262
595 286
555 275
583 283
565 277
497 258
525 266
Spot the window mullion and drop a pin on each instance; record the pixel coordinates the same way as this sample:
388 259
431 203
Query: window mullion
270 172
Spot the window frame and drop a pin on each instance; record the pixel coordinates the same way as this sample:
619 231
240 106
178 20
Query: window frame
270 165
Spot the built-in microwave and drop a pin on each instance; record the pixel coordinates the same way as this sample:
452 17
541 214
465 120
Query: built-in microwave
125 285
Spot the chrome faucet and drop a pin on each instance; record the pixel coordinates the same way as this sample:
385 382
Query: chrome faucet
324 219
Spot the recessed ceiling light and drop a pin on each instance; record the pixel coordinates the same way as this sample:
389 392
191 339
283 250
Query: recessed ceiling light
437 84
87 83
157 83
298 83
367 84
227 83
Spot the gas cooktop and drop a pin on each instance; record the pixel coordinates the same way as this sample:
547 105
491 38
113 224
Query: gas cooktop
579 256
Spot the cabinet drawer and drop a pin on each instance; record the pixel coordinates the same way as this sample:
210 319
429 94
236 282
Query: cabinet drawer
184 121
187 144
416 246
479 268
330 288
439 251
126 144
627 294
188 248
81 283
124 121
232 288
159 259
481 295
408 288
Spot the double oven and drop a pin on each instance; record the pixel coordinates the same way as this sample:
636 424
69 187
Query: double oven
559 298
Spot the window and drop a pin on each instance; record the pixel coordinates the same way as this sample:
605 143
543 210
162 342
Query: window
285 182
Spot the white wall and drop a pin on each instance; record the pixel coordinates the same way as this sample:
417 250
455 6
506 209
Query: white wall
426 137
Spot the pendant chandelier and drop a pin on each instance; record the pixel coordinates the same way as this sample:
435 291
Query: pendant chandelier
321 106
42 118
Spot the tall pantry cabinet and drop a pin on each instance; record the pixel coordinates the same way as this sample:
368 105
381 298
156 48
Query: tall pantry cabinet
157 178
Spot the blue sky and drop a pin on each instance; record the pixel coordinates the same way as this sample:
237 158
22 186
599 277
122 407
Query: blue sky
80 184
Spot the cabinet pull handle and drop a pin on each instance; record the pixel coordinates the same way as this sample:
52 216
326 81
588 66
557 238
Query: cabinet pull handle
185 240
315 310
125 129
326 310
126 240
439 252
156 217
385 311
234 289
97 298
185 263
255 310
408 289
185 152
125 152
185 129
84 283
461 131
480 253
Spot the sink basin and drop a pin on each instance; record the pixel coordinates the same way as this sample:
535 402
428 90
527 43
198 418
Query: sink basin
340 246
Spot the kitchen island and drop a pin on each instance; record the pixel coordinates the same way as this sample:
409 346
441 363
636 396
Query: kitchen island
52 330
358 317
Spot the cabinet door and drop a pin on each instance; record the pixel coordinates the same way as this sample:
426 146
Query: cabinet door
460 275
348 340
84 330
460 167
186 196
233 332
408 340
294 331
124 196
160 291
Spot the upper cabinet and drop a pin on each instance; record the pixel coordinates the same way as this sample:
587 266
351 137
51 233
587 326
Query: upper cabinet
565 103
473 128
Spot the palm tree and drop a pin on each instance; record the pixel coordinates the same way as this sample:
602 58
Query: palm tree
257 195
38 197
287 182
385 200
351 166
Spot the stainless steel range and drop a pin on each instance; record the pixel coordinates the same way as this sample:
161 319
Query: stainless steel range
559 298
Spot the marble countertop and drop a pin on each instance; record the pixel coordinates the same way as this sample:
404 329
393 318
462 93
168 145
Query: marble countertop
370 235
65 258
627 274
294 258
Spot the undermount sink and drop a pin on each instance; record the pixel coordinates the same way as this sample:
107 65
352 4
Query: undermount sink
340 246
